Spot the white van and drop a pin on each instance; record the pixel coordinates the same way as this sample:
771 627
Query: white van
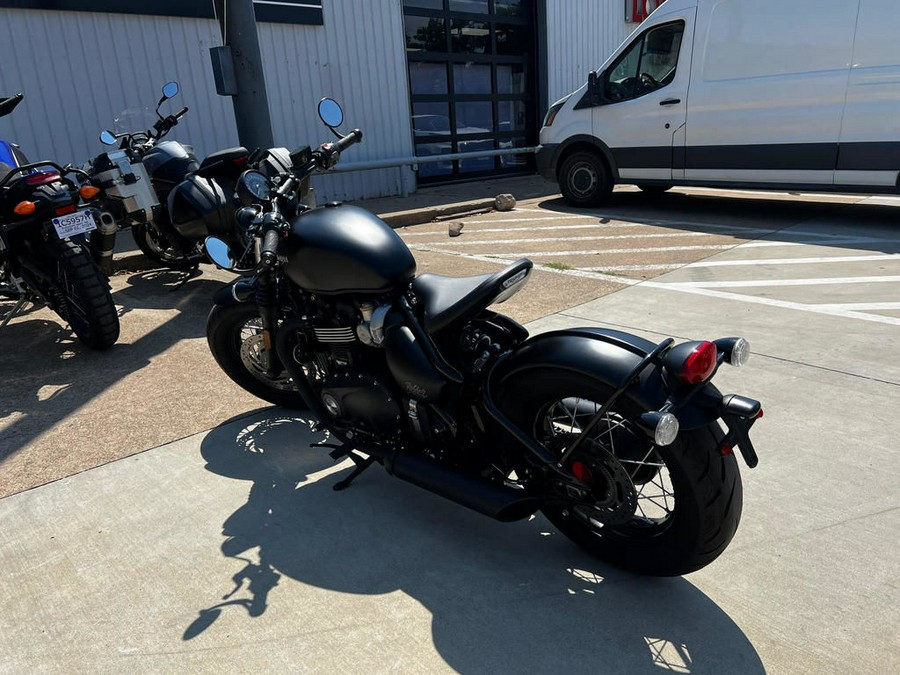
755 94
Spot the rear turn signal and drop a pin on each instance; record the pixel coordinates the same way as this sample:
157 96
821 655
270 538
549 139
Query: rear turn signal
661 427
25 208
735 349
88 192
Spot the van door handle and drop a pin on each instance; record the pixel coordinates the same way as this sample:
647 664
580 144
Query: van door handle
670 101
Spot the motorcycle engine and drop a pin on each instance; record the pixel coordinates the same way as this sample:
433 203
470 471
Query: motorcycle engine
356 387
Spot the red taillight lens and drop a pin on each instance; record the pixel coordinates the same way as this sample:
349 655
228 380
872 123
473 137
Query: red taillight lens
65 210
42 178
699 364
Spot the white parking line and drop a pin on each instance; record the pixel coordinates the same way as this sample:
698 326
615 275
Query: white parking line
789 282
796 261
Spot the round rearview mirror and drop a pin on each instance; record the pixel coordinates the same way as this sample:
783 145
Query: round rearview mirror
107 137
219 253
331 113
170 89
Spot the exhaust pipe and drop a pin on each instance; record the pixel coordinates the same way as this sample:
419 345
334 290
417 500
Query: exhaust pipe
500 503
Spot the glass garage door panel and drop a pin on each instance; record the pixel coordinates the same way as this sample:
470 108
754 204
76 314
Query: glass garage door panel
472 84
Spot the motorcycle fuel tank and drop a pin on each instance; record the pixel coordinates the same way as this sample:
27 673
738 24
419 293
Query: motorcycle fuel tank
340 248
168 163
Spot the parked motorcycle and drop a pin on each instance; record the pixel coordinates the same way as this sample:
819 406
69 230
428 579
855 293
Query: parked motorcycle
169 199
617 440
43 252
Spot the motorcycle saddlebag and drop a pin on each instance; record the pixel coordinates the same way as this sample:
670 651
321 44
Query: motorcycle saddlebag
199 207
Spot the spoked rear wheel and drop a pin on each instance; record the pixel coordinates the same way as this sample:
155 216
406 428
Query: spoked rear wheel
661 511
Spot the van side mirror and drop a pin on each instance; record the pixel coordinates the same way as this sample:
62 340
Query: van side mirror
595 95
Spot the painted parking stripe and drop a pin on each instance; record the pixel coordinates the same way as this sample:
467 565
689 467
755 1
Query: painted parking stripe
796 261
789 282
748 263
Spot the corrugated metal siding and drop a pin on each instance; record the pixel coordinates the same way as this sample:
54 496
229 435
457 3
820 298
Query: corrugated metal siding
121 61
358 58
78 70
581 34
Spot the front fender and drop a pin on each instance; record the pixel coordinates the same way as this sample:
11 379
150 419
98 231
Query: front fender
238 291
608 356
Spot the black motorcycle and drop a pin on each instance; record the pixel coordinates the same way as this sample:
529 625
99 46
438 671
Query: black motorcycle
43 252
169 199
617 440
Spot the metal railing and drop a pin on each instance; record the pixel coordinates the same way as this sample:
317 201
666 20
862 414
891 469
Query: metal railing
413 161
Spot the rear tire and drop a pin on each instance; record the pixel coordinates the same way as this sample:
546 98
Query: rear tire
584 179
672 511
85 302
234 334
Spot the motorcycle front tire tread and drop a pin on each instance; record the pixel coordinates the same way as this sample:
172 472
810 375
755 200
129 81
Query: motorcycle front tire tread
708 490
221 326
93 295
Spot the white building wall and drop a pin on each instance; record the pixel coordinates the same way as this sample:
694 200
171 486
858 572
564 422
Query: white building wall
581 34
118 61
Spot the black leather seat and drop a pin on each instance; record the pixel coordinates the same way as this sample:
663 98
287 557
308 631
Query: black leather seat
446 300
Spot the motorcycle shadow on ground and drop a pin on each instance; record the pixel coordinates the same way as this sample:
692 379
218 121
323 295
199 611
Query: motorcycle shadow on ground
503 597
54 375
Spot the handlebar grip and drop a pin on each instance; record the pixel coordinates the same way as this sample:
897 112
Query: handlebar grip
268 255
353 137
181 113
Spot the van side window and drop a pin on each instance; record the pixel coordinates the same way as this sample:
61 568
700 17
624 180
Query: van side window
646 65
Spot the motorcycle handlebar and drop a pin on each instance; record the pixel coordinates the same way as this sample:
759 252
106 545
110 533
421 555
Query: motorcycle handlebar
181 113
353 137
268 254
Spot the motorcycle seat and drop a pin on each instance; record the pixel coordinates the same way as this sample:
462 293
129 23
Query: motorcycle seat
232 156
446 300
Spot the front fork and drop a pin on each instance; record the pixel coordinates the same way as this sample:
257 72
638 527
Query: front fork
267 304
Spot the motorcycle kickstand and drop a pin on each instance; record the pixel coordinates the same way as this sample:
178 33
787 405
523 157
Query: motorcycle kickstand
344 450
14 311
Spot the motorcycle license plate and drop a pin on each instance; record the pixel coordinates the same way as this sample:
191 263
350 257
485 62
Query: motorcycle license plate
74 223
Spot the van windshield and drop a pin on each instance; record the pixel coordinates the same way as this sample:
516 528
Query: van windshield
648 64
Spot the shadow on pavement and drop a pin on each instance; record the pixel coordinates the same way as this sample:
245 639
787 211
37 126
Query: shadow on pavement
51 377
686 211
503 597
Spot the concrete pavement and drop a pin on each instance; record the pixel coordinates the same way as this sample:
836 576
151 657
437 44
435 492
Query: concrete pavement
227 550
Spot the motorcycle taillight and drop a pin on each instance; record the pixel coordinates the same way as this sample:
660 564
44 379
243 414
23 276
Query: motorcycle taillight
42 178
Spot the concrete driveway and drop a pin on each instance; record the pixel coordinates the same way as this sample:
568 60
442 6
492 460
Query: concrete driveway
228 550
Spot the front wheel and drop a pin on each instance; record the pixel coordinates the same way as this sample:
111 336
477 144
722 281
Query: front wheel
662 511
161 247
584 179
82 296
235 337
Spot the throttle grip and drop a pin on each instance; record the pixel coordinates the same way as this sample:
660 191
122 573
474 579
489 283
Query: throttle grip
268 255
353 137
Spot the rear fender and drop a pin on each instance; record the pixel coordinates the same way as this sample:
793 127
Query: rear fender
608 356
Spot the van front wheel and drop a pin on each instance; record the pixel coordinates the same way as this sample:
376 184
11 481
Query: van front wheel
584 179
